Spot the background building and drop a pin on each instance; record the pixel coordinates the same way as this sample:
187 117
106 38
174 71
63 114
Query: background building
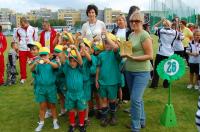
5 16
71 16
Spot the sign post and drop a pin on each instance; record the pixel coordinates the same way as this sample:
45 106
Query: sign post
170 69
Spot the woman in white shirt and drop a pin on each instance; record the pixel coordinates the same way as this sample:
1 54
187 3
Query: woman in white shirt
93 28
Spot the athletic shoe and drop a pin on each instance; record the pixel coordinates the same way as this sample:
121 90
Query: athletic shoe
71 129
40 126
22 81
55 125
104 122
126 110
196 87
113 120
82 128
189 86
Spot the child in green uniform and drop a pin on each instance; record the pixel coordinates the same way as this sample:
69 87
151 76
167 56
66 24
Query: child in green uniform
74 96
122 83
45 89
108 78
95 50
60 79
34 49
85 48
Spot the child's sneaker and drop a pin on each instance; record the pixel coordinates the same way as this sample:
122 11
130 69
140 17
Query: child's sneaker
71 129
55 125
104 122
22 81
113 120
189 86
82 128
87 122
40 126
196 87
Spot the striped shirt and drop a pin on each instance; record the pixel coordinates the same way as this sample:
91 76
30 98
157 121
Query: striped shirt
178 45
193 48
198 114
166 39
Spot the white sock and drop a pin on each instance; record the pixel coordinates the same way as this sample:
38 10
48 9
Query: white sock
42 122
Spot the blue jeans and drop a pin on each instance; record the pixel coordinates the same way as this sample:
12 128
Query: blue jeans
137 83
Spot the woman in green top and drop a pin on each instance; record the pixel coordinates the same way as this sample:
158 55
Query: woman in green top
138 68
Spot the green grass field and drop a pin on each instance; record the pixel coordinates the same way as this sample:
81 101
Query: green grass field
19 112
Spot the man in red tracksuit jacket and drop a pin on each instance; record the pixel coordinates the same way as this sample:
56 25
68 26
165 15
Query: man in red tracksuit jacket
3 46
47 36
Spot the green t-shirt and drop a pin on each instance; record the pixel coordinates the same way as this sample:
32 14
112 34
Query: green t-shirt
34 60
45 75
60 77
86 69
109 73
73 78
93 69
138 66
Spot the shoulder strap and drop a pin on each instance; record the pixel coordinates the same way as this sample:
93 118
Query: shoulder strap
174 39
190 47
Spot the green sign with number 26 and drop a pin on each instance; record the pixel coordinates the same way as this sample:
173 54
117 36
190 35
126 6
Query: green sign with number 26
172 68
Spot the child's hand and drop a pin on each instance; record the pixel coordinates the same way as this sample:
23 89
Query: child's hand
82 45
47 61
97 84
96 39
73 47
65 47
37 62
196 54
124 55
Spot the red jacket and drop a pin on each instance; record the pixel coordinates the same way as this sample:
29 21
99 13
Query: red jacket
42 39
3 43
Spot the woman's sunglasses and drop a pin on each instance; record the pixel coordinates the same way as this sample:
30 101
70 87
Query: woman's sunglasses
135 21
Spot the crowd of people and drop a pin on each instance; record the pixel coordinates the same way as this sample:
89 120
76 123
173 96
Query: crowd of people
88 73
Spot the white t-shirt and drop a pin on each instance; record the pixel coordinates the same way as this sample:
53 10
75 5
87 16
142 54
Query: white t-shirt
178 45
47 37
91 30
166 38
121 33
192 48
25 36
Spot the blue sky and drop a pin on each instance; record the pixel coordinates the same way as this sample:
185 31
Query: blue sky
26 5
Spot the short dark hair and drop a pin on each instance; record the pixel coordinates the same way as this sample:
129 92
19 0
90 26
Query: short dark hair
184 22
132 9
46 21
130 12
90 7
0 28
